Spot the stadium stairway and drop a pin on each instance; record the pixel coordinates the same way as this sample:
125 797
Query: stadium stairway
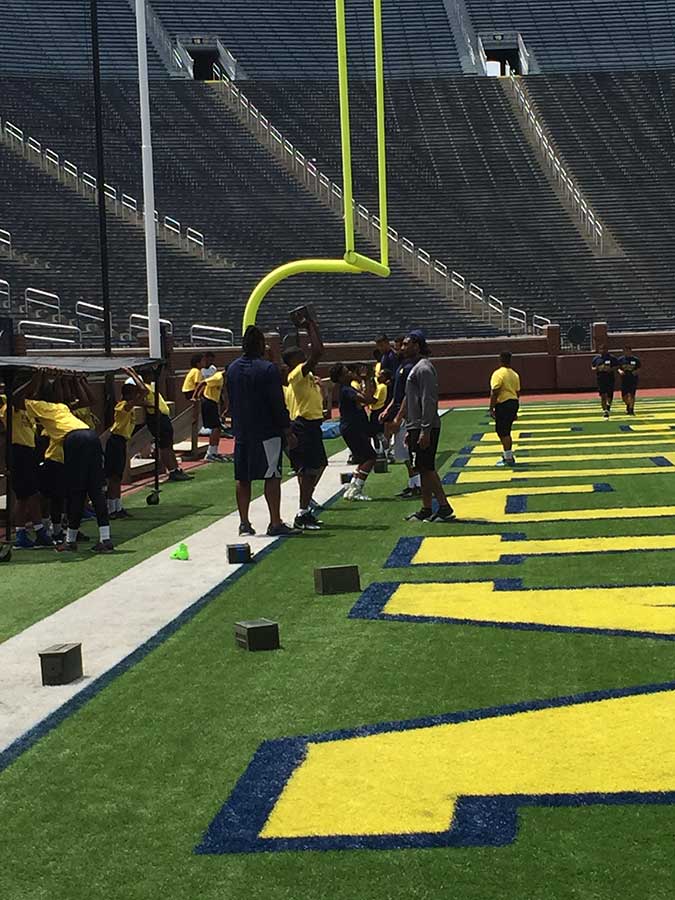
469 187
211 173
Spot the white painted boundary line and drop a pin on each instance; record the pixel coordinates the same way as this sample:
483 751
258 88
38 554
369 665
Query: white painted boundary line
118 617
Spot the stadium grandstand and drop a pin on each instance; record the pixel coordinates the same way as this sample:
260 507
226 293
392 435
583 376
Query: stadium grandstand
406 293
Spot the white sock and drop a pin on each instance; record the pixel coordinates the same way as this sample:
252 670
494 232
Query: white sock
71 536
508 454
111 506
104 532
118 504
415 481
39 528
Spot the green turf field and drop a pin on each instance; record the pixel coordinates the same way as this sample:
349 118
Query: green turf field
112 804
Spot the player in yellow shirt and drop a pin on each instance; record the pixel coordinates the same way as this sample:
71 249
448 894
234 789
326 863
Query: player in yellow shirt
164 436
308 458
79 450
504 405
193 377
24 472
211 393
382 383
116 449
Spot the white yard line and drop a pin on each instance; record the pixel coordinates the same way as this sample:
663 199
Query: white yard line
120 616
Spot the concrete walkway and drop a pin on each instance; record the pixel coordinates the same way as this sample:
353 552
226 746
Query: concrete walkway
114 621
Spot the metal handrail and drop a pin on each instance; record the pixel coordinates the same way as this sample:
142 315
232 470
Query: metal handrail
214 335
84 310
540 324
517 320
569 190
5 293
6 242
135 320
56 331
43 299
194 238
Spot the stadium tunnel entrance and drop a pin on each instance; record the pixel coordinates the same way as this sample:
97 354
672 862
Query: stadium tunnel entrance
204 60
503 53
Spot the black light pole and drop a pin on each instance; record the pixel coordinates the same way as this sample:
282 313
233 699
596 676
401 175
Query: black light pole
102 224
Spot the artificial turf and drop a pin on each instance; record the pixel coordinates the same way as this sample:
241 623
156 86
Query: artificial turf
112 803
39 582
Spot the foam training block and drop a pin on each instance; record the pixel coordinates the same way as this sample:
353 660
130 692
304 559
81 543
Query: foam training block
61 664
381 467
337 580
258 634
239 553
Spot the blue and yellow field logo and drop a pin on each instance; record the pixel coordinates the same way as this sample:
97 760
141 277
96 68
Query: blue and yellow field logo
459 779
456 780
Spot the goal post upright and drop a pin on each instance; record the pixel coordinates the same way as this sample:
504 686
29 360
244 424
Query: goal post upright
352 263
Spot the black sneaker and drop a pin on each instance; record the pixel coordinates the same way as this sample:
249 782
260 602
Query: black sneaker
180 475
422 515
306 522
103 547
282 530
82 537
410 492
245 528
444 514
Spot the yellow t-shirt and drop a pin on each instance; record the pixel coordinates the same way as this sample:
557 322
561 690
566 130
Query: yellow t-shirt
214 387
125 420
307 399
149 402
378 369
507 382
57 421
289 400
192 379
380 398
23 427
84 414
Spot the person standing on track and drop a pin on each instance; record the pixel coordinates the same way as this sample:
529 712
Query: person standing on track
504 405
605 365
628 367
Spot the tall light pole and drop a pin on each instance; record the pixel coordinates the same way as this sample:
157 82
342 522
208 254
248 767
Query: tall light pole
154 332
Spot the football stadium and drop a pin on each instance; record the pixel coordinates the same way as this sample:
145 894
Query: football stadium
337 396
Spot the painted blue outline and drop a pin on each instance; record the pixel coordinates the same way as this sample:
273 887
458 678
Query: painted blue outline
450 478
31 737
479 821
460 462
373 600
477 437
515 504
625 427
407 548
467 451
661 461
576 428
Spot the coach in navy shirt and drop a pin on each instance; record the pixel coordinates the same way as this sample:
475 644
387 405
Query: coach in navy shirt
629 364
387 354
261 424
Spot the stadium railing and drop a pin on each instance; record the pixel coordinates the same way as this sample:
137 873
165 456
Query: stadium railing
50 333
540 324
201 335
5 294
568 189
122 204
453 285
39 304
6 242
138 324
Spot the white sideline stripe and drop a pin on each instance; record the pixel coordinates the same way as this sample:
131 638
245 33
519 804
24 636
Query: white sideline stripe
116 618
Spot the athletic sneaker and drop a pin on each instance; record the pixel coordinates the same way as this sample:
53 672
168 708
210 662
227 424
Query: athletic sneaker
315 507
246 529
444 514
420 516
180 475
353 493
410 492
65 547
282 530
214 457
23 542
306 522
605 414
103 547
501 463
121 514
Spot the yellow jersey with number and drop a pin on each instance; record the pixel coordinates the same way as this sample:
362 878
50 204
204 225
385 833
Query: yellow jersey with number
23 426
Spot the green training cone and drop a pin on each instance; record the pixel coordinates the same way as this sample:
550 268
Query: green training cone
181 552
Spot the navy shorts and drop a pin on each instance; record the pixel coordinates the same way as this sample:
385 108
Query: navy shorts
115 456
257 460
606 384
210 414
24 472
629 384
359 442
83 462
165 437
310 454
506 414
52 479
423 460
